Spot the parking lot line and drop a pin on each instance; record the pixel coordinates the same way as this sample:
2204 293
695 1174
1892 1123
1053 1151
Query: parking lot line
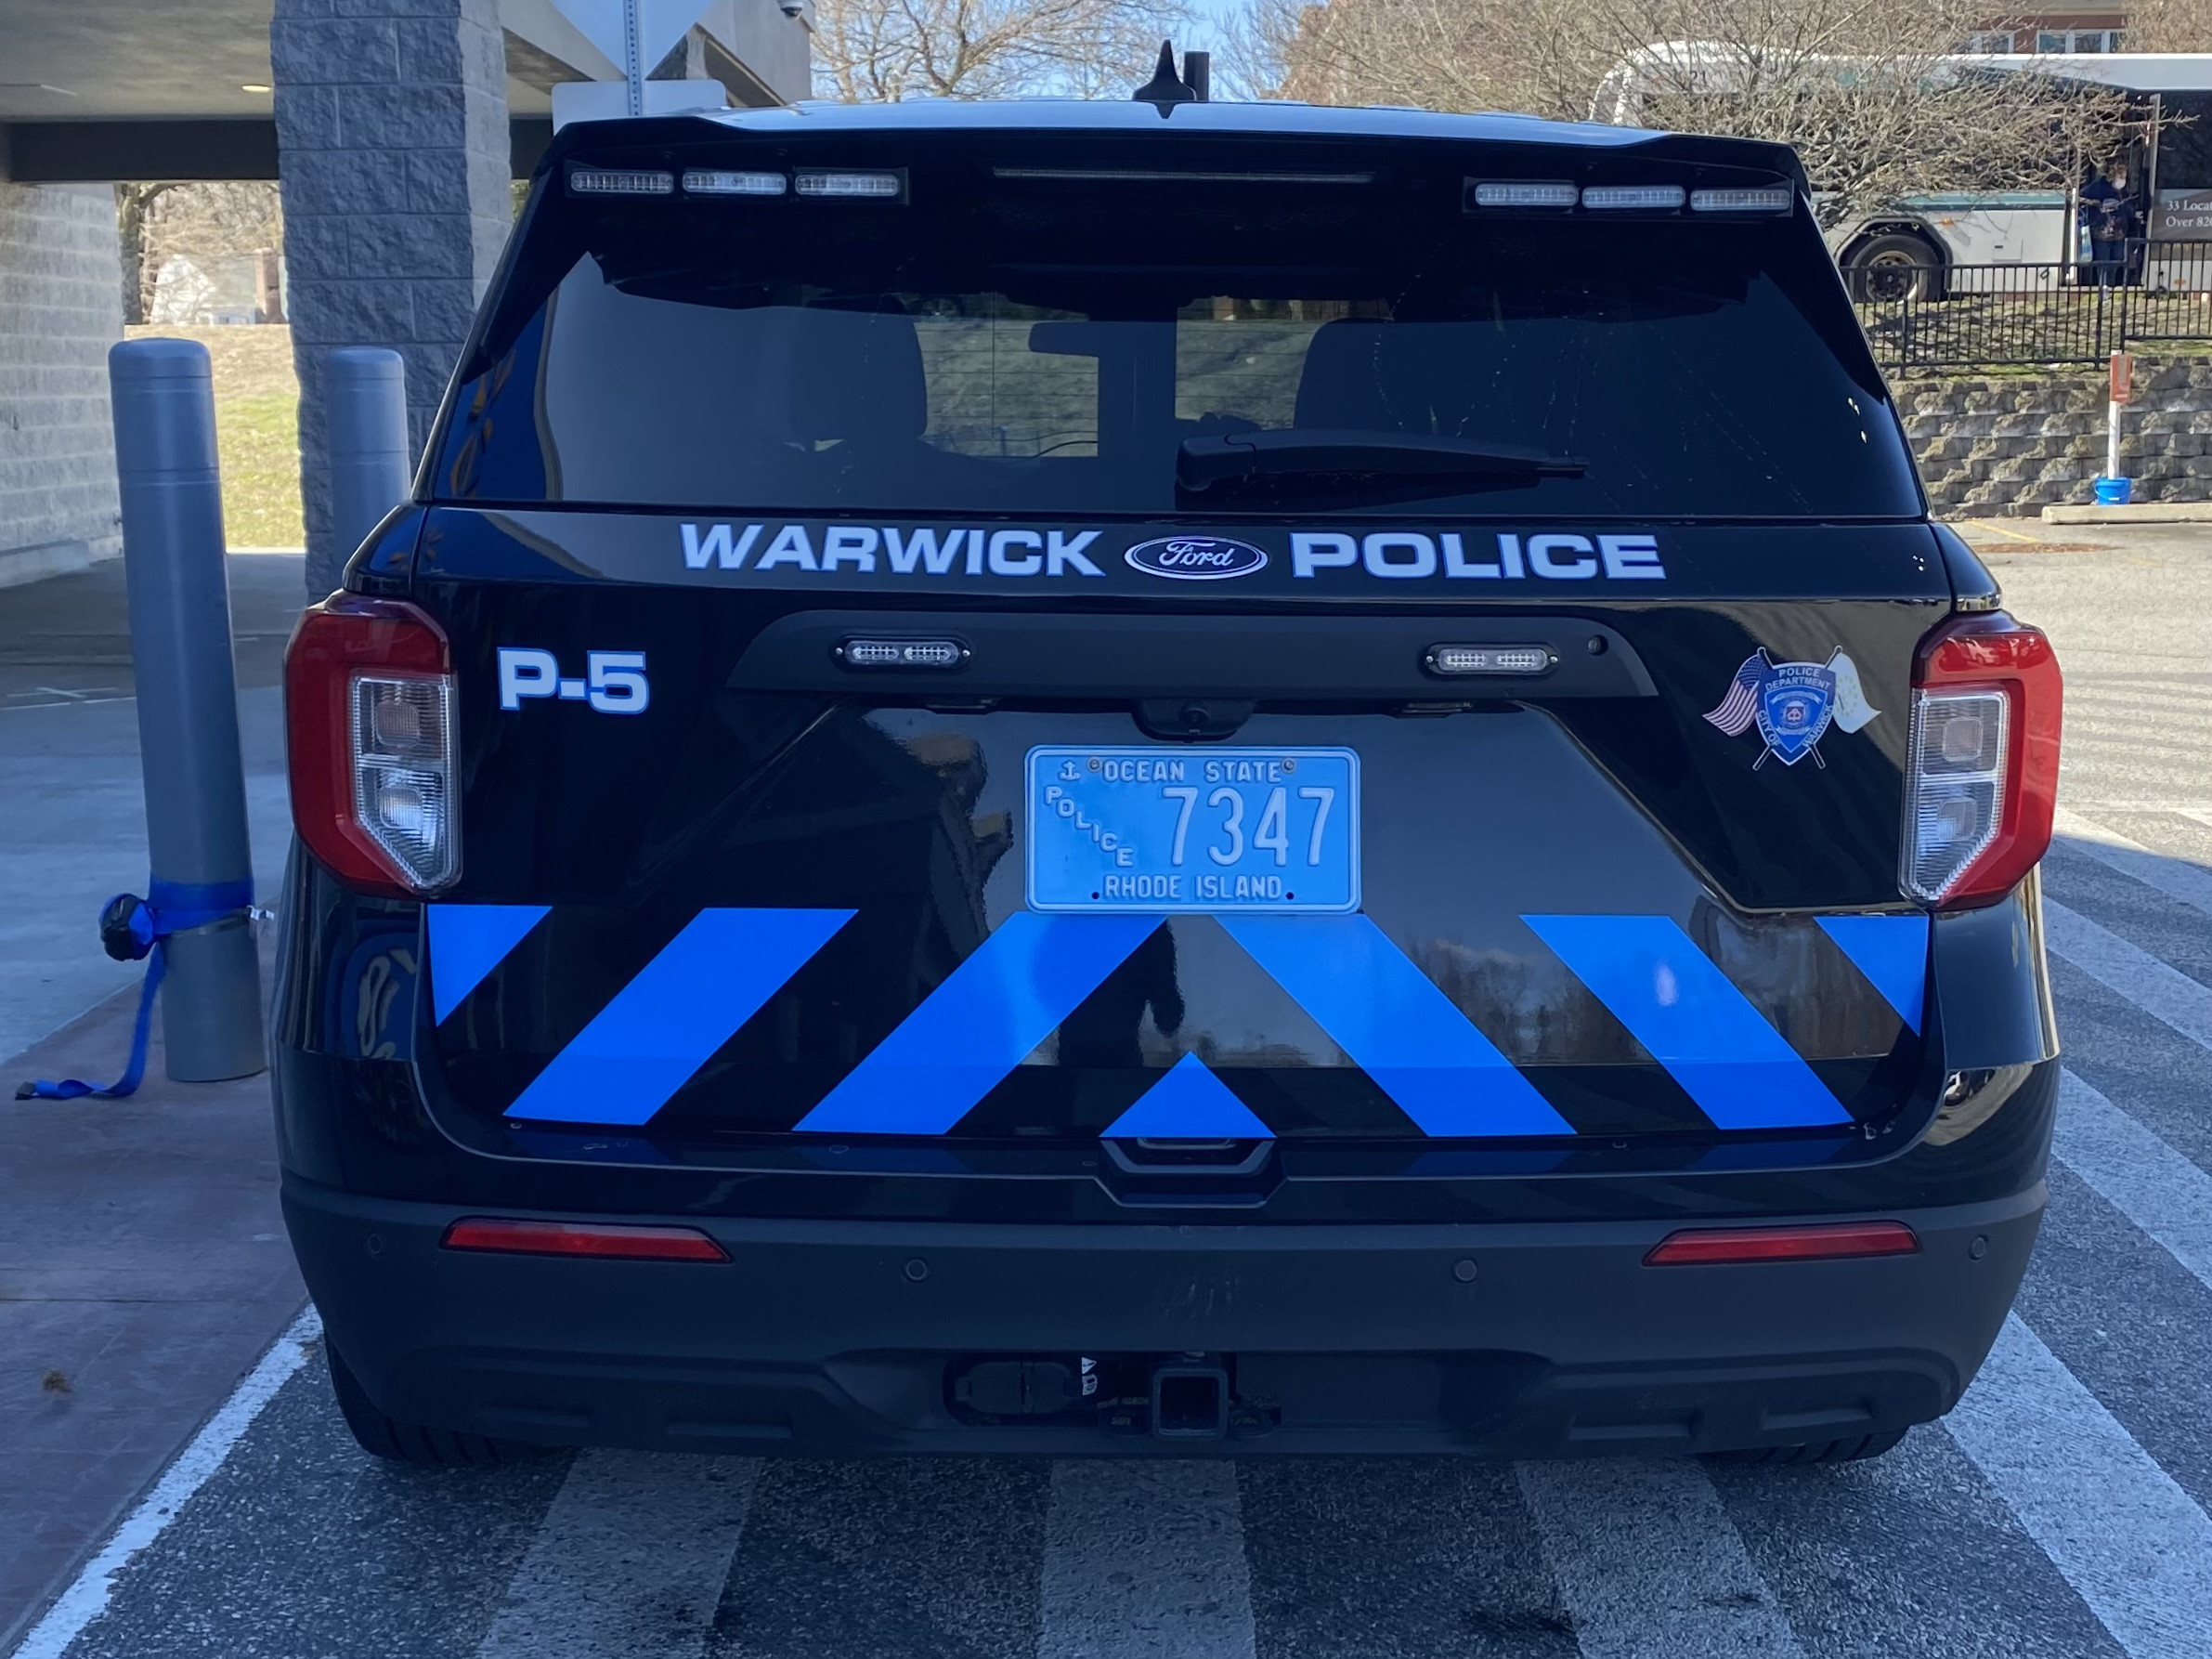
630 1559
1650 1564
2157 1189
2124 1533
2164 993
2172 877
86 1597
1145 1560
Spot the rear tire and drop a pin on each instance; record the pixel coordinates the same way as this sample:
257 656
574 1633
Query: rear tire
1858 1448
1895 266
414 1444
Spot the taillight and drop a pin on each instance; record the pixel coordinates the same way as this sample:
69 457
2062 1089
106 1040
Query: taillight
1982 775
368 721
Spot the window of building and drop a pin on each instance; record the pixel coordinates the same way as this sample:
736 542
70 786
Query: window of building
1989 40
2077 40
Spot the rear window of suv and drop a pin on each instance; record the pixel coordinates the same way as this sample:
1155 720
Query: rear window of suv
1048 337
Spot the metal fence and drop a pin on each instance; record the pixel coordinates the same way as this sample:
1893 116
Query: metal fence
1919 317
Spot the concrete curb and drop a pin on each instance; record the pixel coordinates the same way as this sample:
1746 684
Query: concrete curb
2134 513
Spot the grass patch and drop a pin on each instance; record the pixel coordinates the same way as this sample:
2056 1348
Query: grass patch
257 402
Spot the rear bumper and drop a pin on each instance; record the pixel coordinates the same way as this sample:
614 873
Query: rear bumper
840 1337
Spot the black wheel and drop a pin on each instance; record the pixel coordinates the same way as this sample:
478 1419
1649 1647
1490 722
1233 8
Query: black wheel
1895 267
1856 1449
411 1442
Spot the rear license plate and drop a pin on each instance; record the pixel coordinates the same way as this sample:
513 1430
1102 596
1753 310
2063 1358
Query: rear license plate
1169 829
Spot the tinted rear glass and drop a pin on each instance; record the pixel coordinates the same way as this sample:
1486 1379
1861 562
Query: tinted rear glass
1014 337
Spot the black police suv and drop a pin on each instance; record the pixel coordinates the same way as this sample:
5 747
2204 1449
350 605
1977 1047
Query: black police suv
1073 778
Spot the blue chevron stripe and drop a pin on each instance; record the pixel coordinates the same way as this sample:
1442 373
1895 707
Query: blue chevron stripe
1891 951
1188 1102
1008 997
685 1003
1396 1025
1679 1005
467 942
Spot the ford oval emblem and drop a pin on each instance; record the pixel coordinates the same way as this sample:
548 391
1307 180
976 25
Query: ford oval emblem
1197 558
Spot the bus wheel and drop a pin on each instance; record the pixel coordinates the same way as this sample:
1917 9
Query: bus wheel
1895 266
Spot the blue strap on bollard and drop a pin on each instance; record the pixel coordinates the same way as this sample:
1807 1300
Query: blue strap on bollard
131 929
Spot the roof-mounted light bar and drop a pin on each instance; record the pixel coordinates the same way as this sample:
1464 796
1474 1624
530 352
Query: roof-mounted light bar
1174 176
620 181
1770 199
1523 192
851 185
708 181
1633 198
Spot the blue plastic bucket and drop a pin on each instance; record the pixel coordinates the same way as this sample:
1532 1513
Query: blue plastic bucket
2112 493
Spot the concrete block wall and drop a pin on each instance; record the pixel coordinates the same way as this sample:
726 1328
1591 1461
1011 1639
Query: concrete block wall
60 308
2014 444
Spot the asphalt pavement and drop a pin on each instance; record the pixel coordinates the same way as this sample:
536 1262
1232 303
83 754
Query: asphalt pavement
2060 1513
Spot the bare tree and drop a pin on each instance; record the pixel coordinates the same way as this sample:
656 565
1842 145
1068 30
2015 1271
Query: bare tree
1868 90
882 50
2169 26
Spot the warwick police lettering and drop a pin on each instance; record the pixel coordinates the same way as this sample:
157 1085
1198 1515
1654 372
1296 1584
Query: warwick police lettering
1410 554
831 551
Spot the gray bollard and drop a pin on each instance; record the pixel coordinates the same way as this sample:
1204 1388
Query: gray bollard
201 861
365 401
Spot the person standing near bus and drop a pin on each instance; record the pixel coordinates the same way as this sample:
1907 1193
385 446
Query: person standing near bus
2106 210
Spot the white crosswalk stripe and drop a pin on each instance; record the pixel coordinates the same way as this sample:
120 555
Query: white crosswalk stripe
2125 1536
1145 1560
2162 992
2137 1173
2187 882
630 1561
1650 1564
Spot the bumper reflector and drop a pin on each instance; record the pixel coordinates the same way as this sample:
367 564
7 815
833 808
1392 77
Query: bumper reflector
513 1237
1818 1242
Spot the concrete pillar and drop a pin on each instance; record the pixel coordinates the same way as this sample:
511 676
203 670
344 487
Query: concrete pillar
60 308
393 156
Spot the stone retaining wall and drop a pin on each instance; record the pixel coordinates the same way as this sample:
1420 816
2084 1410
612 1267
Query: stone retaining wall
2003 444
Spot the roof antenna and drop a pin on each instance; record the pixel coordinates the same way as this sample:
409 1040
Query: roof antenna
1165 90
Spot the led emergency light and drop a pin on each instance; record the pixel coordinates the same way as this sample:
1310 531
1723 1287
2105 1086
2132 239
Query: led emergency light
1487 659
1648 196
1981 781
702 181
1525 192
609 181
1778 198
882 187
902 653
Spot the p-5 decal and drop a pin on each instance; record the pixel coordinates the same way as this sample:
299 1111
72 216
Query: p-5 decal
614 682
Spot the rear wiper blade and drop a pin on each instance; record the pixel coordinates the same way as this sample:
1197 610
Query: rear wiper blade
1319 449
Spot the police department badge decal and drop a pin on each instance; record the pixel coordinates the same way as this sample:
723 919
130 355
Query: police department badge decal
1793 704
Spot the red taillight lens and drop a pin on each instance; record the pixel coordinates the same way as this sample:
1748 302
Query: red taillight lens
517 1237
1982 775
369 724
1818 1241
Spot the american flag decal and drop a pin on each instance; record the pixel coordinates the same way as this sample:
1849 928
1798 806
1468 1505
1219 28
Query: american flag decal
1740 707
